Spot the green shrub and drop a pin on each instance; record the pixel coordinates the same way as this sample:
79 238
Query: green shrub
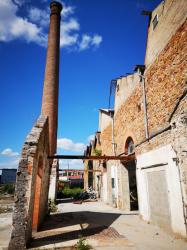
83 245
97 152
70 192
7 188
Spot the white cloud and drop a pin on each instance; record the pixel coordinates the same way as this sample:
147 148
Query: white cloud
14 27
68 144
67 10
33 27
91 137
85 42
67 37
20 2
73 164
88 41
9 152
39 16
96 40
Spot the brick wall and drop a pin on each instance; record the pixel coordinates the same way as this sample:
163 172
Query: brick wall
33 165
166 82
171 14
106 141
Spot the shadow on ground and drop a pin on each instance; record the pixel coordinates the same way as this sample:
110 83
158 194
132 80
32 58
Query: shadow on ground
65 200
63 227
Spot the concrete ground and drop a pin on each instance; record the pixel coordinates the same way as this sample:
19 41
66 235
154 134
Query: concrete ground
5 229
104 227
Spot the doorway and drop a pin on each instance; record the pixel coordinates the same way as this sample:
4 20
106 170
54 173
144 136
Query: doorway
131 169
133 194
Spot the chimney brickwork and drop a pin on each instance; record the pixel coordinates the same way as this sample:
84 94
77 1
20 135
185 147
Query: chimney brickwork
51 81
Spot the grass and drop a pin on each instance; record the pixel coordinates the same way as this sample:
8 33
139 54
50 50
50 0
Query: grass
7 189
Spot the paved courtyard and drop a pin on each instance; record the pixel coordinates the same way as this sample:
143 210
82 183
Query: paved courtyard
104 227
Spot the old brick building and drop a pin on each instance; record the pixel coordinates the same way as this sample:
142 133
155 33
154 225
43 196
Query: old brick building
150 120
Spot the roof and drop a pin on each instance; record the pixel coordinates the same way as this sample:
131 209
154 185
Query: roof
107 111
72 170
14 169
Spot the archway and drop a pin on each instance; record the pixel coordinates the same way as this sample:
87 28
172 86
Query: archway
131 168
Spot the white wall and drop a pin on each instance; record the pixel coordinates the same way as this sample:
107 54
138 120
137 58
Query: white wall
160 156
104 187
124 89
114 175
104 119
53 180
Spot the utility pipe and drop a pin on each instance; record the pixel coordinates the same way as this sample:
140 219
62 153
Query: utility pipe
182 196
142 79
113 140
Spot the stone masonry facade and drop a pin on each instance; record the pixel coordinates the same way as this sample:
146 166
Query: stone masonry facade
33 163
166 81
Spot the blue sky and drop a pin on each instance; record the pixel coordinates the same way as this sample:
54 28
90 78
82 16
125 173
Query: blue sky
100 40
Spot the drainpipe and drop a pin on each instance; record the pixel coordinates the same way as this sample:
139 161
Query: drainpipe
113 140
142 79
114 193
182 192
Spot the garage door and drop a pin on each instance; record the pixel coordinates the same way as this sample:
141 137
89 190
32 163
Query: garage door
158 198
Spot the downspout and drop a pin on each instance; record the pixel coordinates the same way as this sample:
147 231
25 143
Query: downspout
142 79
182 196
113 138
114 194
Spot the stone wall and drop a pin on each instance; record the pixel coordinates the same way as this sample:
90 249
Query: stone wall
31 196
166 83
106 141
171 14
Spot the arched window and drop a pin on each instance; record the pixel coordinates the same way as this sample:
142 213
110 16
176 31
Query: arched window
129 146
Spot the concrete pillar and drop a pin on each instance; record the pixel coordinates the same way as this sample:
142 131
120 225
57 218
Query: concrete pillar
86 174
51 82
53 180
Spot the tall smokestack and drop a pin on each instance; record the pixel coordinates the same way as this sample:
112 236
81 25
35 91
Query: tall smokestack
51 81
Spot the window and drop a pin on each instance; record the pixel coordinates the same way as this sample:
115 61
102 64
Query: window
155 21
129 146
113 183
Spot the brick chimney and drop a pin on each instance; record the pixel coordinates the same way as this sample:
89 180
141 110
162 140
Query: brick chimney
51 81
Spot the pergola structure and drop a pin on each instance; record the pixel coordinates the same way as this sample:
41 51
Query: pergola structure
94 157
